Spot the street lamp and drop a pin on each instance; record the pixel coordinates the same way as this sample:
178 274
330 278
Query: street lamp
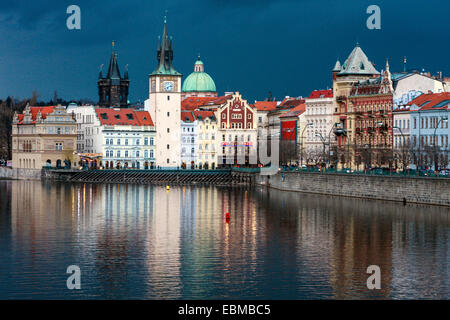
308 125
443 119
318 134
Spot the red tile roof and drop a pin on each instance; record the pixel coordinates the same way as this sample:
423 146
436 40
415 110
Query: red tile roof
192 103
291 102
204 114
432 101
34 111
191 116
187 116
126 117
295 112
265 105
316 94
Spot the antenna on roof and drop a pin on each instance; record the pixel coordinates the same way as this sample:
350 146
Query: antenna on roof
404 64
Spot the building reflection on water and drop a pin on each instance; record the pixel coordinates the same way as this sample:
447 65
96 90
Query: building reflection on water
146 242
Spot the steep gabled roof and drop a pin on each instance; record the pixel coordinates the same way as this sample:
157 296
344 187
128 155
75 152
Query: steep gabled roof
34 112
357 63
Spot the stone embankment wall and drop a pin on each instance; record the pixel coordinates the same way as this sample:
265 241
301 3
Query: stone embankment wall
410 189
20 174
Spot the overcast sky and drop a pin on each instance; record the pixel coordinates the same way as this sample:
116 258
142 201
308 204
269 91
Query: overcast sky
252 46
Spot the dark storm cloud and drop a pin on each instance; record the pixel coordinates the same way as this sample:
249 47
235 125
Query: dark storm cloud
254 46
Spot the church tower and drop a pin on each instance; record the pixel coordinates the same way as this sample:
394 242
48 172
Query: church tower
113 89
164 104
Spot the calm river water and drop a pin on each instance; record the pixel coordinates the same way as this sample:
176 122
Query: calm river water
133 241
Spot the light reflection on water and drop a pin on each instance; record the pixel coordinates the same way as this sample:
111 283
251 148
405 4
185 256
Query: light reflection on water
143 242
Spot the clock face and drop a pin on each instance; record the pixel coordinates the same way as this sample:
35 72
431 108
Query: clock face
168 85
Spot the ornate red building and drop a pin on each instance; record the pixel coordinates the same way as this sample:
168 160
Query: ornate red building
372 102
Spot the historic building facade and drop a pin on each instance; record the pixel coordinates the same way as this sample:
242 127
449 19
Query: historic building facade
237 126
320 120
164 105
430 131
198 139
113 88
43 136
356 67
372 104
127 138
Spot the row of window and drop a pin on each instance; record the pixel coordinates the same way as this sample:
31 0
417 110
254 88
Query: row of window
402 124
236 116
432 140
431 123
238 125
377 108
384 140
136 141
133 154
230 138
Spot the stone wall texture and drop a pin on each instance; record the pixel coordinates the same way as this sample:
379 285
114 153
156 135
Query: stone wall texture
412 189
20 174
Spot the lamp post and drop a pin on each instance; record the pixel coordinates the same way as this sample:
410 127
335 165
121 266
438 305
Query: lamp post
443 119
323 141
308 125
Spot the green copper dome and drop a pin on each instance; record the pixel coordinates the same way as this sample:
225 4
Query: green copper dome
199 80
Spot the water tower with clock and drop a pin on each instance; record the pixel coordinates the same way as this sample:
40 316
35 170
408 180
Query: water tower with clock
164 104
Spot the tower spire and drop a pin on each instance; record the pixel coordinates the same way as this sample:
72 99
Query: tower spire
165 53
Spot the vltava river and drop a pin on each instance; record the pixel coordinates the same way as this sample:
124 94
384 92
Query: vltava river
134 241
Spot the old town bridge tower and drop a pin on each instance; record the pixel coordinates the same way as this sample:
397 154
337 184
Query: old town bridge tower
113 89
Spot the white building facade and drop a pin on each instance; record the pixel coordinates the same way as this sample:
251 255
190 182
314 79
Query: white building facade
125 138
319 117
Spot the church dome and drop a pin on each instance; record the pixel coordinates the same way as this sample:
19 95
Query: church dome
199 80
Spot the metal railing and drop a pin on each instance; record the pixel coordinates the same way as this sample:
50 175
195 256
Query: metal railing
373 172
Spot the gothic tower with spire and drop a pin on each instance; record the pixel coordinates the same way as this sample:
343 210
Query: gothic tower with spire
113 89
164 104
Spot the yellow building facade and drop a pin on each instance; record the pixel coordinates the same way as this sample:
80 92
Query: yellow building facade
43 136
